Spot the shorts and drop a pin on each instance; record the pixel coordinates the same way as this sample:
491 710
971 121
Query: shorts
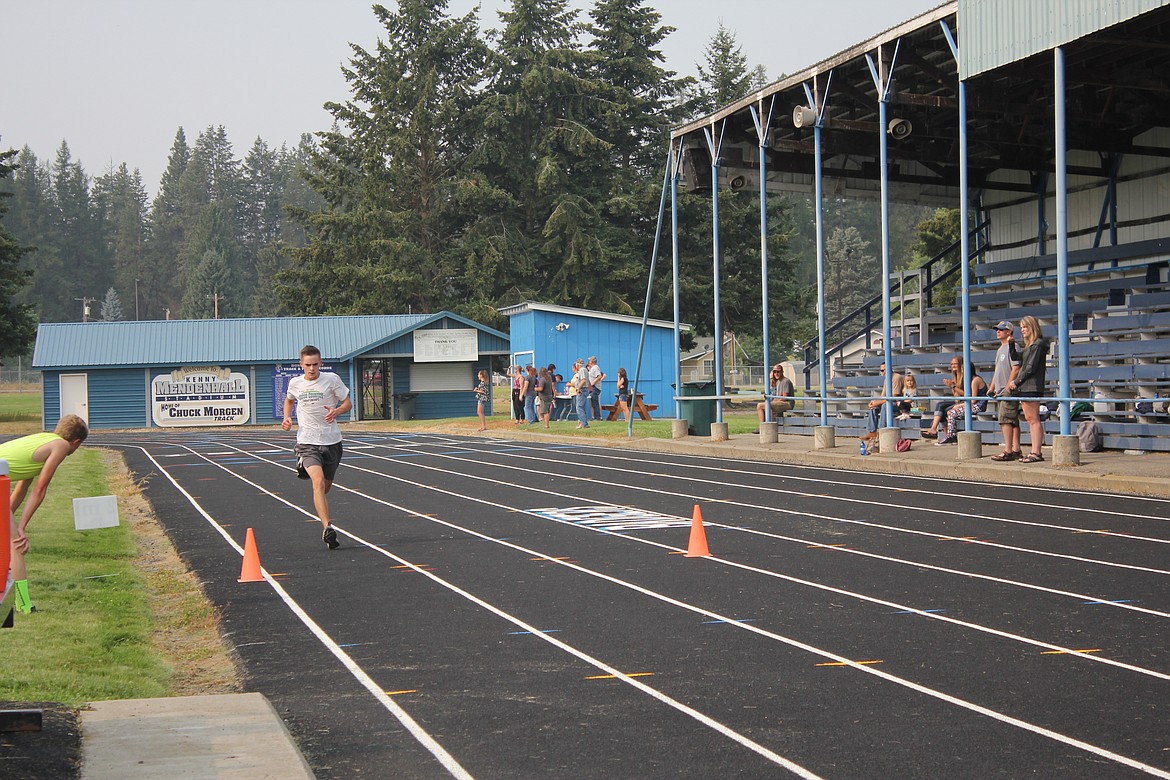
780 406
1008 412
327 456
543 405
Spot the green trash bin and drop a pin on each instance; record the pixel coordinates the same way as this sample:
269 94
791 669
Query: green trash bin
698 412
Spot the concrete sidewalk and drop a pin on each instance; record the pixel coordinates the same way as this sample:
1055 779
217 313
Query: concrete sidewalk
226 737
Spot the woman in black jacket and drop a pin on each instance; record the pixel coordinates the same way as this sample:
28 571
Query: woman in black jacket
1029 383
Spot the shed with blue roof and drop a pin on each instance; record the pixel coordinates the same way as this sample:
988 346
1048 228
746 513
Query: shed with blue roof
544 333
189 373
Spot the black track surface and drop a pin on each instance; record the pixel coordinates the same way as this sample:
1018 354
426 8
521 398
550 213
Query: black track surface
879 627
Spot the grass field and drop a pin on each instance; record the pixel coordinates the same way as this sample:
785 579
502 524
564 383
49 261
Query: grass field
16 408
117 614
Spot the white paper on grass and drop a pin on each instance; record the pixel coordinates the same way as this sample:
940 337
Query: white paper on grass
96 512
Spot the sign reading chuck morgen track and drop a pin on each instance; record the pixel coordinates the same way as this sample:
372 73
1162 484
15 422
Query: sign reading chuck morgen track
199 396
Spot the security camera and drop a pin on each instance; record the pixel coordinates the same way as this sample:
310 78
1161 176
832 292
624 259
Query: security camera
899 129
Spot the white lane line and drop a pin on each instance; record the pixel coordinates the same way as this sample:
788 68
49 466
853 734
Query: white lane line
672 473
706 720
949 483
825 654
438 751
781 510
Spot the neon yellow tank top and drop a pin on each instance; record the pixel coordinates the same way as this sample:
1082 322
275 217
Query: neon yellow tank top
19 454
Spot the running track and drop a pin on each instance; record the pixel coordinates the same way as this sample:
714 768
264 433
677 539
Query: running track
515 609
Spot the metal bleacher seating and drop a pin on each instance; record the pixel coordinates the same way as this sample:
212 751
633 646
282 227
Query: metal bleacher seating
1119 309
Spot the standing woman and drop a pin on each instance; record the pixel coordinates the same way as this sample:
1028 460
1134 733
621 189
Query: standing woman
517 398
528 392
482 393
1029 383
623 394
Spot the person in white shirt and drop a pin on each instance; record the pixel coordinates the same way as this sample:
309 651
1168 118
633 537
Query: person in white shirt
596 375
319 399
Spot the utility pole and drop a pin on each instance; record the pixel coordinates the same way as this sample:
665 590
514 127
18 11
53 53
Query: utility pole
215 297
85 302
136 300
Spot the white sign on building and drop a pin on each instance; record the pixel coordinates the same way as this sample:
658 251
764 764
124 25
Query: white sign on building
456 345
189 397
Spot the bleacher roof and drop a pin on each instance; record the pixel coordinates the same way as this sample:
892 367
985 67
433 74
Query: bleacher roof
193 342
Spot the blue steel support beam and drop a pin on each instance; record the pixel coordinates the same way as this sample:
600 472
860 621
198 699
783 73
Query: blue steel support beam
676 169
649 289
882 82
715 145
818 182
762 132
1062 236
964 235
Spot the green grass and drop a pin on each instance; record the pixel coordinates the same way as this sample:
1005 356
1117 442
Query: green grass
91 636
20 407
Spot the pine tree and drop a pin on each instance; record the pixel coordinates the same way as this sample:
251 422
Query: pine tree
642 101
18 323
85 265
112 307
160 289
393 172
120 202
726 77
32 222
851 271
538 234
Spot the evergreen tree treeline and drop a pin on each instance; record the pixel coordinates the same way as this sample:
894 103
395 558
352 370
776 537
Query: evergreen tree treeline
465 171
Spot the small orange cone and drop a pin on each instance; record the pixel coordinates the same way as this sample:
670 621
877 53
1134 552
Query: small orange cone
250 571
698 544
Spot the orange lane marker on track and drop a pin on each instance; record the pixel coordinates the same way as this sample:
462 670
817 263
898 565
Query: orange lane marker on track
842 663
1066 652
614 676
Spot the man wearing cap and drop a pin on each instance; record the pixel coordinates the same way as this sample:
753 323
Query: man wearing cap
1007 365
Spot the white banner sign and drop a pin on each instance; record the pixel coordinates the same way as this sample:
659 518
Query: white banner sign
446 346
189 397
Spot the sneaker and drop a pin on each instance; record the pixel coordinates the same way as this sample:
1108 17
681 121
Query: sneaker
329 536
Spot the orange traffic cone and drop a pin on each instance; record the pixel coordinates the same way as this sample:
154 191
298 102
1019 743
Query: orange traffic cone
698 544
250 571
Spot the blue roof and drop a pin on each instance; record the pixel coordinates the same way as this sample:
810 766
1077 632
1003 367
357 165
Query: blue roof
195 342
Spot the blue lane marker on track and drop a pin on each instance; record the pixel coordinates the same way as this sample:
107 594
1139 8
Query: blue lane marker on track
918 611
543 631
1113 601
713 622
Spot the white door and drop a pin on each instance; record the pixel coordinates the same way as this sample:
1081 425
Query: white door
75 395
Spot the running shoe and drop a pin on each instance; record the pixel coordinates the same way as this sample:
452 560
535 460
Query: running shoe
329 536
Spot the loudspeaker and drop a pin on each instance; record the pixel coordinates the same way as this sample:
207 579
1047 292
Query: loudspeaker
899 129
803 116
737 183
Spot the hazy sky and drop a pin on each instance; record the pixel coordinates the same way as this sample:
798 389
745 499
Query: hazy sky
117 78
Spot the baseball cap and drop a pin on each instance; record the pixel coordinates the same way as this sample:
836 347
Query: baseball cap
1003 325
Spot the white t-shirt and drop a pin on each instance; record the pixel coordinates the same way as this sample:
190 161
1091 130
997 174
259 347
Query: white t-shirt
595 376
313 400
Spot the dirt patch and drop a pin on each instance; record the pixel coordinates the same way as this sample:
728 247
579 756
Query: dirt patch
186 625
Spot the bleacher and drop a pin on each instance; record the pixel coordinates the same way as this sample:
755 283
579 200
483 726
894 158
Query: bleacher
1119 345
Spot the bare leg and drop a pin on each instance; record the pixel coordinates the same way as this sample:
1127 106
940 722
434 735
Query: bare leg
321 486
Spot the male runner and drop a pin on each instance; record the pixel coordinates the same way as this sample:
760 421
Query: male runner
320 399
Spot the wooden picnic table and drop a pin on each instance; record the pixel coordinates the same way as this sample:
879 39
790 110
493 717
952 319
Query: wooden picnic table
642 408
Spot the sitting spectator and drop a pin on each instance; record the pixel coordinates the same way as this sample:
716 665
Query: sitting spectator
955 383
873 420
780 391
905 407
976 388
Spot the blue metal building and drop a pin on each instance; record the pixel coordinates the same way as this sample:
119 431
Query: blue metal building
543 333
185 373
